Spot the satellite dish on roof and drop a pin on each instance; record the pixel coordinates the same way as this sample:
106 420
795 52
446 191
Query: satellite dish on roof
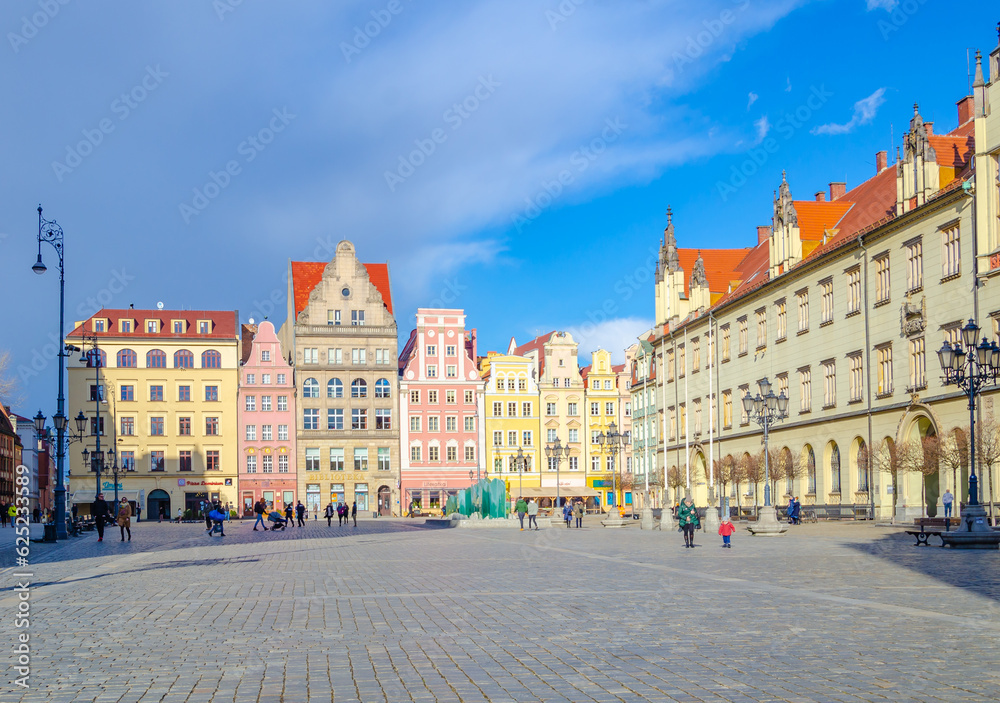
251 320
159 305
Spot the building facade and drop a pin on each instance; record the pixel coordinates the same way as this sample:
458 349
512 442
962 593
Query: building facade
341 337
838 305
440 398
512 421
607 468
266 409
646 421
161 387
10 454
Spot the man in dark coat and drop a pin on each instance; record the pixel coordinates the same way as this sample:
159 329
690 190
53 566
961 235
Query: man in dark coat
300 513
99 509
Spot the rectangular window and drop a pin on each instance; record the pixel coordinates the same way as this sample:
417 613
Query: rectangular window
267 463
310 418
470 424
727 409
826 302
432 350
128 460
432 371
805 390
251 463
452 453
359 357
266 433
127 426
312 459
853 291
125 325
682 420
282 463
918 370
550 435
336 459
451 371
155 426
382 357
469 397
829 384
251 403
211 426
414 423
212 393
251 379
511 438
151 327
184 393
951 257
212 460
451 424
433 424
697 416
156 392
672 421
550 409
725 342
574 463
415 453
251 433
780 320
914 266
360 458
744 335
281 379
126 393
526 409
97 392
574 436
282 433
310 356
572 410
526 438
282 403
882 279
265 354
156 462
384 459
512 409
449 397
497 409
265 379
178 327
695 354
414 397
359 418
470 453
335 418
857 378
383 419
802 300
433 453
432 397
885 370
334 357
681 360
609 409
357 317
498 439
595 463
333 317
761 328
265 403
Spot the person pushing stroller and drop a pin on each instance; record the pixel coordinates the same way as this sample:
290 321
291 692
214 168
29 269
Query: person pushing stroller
277 520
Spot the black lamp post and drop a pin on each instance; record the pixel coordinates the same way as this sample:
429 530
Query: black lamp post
615 442
520 463
558 452
765 409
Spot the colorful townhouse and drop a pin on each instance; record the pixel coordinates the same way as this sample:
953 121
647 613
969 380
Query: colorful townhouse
645 421
161 387
342 338
267 410
440 397
512 422
607 470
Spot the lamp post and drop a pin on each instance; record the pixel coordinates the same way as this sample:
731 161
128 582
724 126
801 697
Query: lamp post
51 233
557 452
765 409
971 368
520 462
92 358
614 441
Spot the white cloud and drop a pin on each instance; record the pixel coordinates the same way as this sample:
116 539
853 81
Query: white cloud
614 335
763 126
864 112
751 99
887 5
788 84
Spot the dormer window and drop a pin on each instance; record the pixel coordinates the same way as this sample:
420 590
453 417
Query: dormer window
152 326
204 326
179 326
100 325
125 326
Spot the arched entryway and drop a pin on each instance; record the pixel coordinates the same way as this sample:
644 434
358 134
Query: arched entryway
385 501
158 505
921 434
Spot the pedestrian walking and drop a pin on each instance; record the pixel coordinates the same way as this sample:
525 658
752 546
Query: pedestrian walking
300 513
180 514
217 516
99 509
346 512
36 514
354 512
726 529
258 510
125 518
328 513
687 516
568 514
532 513
521 508
290 514
796 511
948 499
578 513
138 512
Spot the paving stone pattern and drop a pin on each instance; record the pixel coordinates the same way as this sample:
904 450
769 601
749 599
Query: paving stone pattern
392 611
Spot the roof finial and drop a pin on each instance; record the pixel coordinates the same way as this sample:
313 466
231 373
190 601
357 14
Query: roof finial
978 82
670 215
783 175
916 110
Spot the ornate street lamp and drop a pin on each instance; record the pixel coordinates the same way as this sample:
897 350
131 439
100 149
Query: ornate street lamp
557 452
520 462
615 442
971 368
765 409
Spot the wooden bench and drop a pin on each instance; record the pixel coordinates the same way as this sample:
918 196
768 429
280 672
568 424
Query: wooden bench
946 523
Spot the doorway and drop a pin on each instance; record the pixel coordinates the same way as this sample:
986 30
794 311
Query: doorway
158 505
195 502
384 501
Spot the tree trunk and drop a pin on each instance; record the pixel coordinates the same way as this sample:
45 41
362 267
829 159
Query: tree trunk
990 469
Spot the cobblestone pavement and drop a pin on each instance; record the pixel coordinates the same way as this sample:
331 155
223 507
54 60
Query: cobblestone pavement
392 611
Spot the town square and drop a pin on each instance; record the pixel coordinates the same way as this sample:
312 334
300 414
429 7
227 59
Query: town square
505 350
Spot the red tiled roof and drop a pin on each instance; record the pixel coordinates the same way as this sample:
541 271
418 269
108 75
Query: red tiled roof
585 371
224 324
307 274
816 217
535 344
952 151
721 266
871 201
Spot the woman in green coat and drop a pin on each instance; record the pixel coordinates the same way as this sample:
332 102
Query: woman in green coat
687 516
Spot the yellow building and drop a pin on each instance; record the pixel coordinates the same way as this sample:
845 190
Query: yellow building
160 386
512 421
605 404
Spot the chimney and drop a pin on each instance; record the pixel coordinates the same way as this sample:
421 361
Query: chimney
837 190
965 109
929 126
763 233
820 196
881 161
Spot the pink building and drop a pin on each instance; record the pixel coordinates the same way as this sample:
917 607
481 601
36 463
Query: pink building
266 414
440 406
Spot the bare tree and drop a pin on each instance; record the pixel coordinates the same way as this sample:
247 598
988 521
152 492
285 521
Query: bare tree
783 464
895 459
955 454
676 480
988 449
9 387
656 481
926 461
752 467
727 473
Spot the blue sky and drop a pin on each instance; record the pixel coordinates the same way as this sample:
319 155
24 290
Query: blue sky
512 157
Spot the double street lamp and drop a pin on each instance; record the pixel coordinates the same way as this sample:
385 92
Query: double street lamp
765 409
556 452
615 442
520 465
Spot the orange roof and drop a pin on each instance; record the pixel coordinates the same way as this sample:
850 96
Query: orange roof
816 217
224 323
872 201
307 274
952 151
721 266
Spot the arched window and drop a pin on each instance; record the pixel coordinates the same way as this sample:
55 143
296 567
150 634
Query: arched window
310 388
96 358
183 359
359 389
156 359
834 468
211 360
382 388
862 465
127 359
335 388
810 471
787 470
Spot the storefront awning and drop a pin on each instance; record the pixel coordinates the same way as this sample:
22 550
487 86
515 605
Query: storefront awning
564 492
87 497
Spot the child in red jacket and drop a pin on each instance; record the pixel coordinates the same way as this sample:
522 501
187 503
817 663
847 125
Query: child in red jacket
726 529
